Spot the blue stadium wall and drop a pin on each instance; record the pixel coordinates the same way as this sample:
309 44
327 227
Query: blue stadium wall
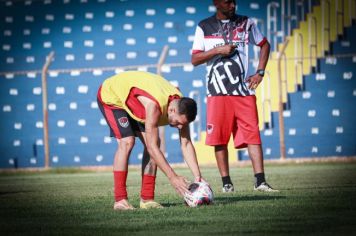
93 40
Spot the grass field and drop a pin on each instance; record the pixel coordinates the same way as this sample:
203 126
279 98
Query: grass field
315 199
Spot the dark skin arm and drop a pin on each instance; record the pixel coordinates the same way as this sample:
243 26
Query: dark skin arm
152 142
256 79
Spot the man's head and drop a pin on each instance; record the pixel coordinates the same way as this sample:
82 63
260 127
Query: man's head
225 9
181 112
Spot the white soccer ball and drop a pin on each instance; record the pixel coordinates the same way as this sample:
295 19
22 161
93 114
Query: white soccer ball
201 194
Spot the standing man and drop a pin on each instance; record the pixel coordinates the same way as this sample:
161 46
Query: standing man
222 42
134 104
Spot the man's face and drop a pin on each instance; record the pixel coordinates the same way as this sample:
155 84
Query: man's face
176 120
226 7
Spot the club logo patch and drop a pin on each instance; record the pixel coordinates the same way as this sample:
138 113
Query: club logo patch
124 122
209 128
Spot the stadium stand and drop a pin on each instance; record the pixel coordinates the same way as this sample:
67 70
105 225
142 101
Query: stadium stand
94 39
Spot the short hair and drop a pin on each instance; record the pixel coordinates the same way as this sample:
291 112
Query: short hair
187 107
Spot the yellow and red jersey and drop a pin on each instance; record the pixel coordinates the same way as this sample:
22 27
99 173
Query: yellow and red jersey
122 90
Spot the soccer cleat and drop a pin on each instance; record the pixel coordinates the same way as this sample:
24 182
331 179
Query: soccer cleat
228 188
123 205
264 187
150 205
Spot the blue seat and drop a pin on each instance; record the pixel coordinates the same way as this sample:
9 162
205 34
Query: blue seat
104 35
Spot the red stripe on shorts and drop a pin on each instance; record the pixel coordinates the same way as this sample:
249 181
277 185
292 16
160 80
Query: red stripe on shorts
109 114
112 121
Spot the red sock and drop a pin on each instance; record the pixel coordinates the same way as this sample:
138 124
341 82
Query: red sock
120 185
148 187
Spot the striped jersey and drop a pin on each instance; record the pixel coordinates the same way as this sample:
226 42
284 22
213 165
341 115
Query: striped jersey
227 75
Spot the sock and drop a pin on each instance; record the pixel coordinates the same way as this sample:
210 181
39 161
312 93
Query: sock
148 187
226 180
260 178
120 185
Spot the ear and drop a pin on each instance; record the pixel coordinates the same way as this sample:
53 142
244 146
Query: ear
174 106
171 109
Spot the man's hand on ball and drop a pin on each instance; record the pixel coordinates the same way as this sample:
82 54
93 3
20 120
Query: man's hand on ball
180 184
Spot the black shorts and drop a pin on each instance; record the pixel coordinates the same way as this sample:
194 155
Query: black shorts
120 122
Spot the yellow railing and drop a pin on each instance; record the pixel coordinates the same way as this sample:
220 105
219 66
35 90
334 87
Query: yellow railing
311 41
290 62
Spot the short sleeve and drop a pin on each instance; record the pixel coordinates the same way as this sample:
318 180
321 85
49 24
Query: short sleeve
198 43
255 36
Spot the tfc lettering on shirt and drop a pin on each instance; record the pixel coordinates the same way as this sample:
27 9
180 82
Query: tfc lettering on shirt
227 75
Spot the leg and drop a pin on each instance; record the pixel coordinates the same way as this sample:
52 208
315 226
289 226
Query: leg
122 155
247 134
125 139
148 172
220 123
222 160
148 167
256 156
222 155
123 152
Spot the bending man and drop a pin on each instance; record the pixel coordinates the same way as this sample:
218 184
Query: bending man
135 104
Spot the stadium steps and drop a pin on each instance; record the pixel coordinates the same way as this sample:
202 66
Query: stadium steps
291 71
319 123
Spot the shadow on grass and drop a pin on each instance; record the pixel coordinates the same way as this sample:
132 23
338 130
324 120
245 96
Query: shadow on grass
230 199
13 192
330 187
172 204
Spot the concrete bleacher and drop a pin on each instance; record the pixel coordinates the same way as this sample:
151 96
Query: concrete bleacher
83 34
93 40
86 33
319 122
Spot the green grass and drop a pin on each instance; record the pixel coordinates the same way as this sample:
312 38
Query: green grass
315 199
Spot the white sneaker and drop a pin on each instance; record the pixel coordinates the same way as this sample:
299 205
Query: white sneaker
264 187
228 188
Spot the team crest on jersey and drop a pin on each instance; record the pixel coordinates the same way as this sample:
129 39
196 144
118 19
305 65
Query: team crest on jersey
124 122
209 128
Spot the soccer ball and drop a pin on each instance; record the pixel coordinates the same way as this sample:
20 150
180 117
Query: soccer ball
201 194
